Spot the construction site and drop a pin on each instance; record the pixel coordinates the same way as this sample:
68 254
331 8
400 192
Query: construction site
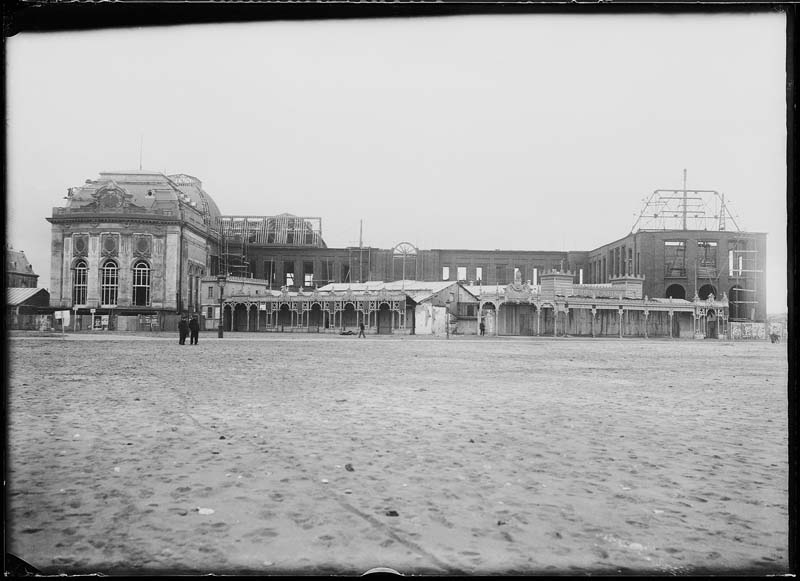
685 248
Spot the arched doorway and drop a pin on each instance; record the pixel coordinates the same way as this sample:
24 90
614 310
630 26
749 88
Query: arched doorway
711 325
284 318
315 316
527 319
240 313
489 319
384 319
705 291
675 291
349 316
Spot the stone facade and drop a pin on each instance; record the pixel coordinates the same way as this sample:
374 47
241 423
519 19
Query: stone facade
132 243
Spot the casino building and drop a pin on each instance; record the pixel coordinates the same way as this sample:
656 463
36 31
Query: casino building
143 247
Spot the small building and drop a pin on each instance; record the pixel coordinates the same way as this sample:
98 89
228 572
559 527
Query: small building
558 307
19 272
28 308
405 307
432 304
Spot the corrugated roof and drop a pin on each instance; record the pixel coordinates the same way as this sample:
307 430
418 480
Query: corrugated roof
409 286
17 296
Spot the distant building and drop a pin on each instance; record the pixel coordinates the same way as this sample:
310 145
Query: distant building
142 247
19 272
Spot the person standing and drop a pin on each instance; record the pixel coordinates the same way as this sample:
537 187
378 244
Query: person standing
194 330
183 330
361 330
483 329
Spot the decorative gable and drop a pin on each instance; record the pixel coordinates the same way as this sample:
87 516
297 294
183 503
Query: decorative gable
112 197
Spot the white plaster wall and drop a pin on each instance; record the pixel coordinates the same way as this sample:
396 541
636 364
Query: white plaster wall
429 320
93 262
171 269
56 266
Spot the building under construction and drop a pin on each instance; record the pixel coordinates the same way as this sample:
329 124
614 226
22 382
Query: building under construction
685 243
138 244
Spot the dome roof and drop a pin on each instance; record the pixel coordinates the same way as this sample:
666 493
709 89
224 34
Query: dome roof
147 192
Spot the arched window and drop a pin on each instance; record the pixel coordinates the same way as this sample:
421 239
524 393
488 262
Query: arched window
79 283
676 291
141 284
109 283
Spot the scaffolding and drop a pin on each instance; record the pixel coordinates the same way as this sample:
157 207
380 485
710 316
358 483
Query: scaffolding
686 209
282 230
238 233
743 272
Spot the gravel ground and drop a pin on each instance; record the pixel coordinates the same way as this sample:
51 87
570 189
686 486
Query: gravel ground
331 454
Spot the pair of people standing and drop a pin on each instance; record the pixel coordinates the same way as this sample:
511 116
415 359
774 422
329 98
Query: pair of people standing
189 327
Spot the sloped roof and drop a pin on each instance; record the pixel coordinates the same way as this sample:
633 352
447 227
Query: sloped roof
416 290
486 289
402 285
17 262
147 190
17 296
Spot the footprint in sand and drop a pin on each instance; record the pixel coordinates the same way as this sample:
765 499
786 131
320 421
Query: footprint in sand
262 533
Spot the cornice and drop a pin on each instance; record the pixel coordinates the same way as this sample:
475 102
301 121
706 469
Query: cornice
123 219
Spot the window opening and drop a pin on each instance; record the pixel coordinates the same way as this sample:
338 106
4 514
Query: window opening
109 283
141 284
675 258
79 286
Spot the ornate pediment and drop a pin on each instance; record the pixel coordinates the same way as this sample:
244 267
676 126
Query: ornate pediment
111 197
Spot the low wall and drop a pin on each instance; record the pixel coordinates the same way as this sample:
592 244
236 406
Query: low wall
747 331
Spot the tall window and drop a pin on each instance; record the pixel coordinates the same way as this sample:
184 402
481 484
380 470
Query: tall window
141 284
288 272
707 254
79 283
479 274
445 273
675 258
109 283
461 273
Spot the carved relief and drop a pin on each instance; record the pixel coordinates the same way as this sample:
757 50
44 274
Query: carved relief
110 198
109 244
142 245
80 245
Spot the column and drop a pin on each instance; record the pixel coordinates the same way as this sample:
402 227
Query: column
555 320
646 315
621 312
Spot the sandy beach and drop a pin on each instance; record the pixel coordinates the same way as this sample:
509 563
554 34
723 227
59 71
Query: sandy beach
331 454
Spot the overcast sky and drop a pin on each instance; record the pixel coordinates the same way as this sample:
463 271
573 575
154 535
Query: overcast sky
536 132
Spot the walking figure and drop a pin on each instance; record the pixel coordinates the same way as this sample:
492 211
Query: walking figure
483 329
183 330
194 330
361 330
